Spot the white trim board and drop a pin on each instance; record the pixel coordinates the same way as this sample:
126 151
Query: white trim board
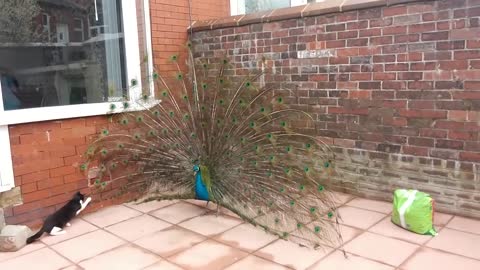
7 180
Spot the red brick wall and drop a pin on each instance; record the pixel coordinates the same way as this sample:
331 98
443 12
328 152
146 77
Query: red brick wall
170 20
396 89
46 155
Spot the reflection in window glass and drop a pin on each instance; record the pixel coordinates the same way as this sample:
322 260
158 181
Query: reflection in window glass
61 52
252 6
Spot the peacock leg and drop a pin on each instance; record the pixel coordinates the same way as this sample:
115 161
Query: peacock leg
207 204
218 210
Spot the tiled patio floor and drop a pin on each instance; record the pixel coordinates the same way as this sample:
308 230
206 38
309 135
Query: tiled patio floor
171 235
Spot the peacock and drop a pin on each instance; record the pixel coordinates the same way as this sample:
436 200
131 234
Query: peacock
216 135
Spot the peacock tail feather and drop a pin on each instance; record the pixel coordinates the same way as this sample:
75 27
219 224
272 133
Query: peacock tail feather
256 152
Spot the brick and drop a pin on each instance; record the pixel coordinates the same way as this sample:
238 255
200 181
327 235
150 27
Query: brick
395 10
465 136
423 114
407 19
470 156
421 104
72 123
450 144
357 42
417 141
465 34
62 171
396 67
472 85
420 28
370 32
407 38
335 27
413 150
433 133
443 55
470 54
475 95
410 75
50 182
444 154
369 85
457 115
435 36
453 65
36 196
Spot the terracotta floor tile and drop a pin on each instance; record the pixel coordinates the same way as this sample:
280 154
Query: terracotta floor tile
212 207
227 212
169 241
111 215
341 198
246 237
87 245
380 248
434 259
349 233
137 227
465 224
291 255
126 258
441 219
203 204
72 267
179 212
457 242
254 262
27 249
337 261
378 206
208 255
210 225
42 259
79 227
359 218
163 265
387 228
151 205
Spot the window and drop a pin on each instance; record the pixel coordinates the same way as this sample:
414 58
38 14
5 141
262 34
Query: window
251 6
68 58
46 26
78 29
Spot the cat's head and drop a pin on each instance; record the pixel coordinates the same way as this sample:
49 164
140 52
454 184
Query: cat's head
78 196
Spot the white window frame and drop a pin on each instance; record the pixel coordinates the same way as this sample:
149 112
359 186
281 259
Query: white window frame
133 70
237 7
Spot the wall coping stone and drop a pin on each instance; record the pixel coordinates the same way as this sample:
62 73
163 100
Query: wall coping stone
312 9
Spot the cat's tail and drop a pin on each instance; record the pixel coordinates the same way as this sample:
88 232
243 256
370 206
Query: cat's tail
34 237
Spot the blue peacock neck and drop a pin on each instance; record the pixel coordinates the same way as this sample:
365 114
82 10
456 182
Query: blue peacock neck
201 190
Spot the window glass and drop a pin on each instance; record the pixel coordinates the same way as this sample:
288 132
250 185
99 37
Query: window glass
252 6
61 52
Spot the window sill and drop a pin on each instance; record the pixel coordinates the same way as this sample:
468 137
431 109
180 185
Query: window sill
63 112
313 9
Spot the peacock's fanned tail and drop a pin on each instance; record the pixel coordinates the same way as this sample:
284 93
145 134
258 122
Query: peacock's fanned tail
262 159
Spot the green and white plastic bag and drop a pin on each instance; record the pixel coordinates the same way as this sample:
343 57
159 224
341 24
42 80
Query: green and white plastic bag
413 210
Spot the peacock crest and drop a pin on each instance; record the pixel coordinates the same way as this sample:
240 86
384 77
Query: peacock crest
217 135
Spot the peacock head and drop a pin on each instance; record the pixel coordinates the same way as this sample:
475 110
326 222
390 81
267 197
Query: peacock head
196 169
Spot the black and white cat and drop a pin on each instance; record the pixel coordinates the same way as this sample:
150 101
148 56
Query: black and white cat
55 223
